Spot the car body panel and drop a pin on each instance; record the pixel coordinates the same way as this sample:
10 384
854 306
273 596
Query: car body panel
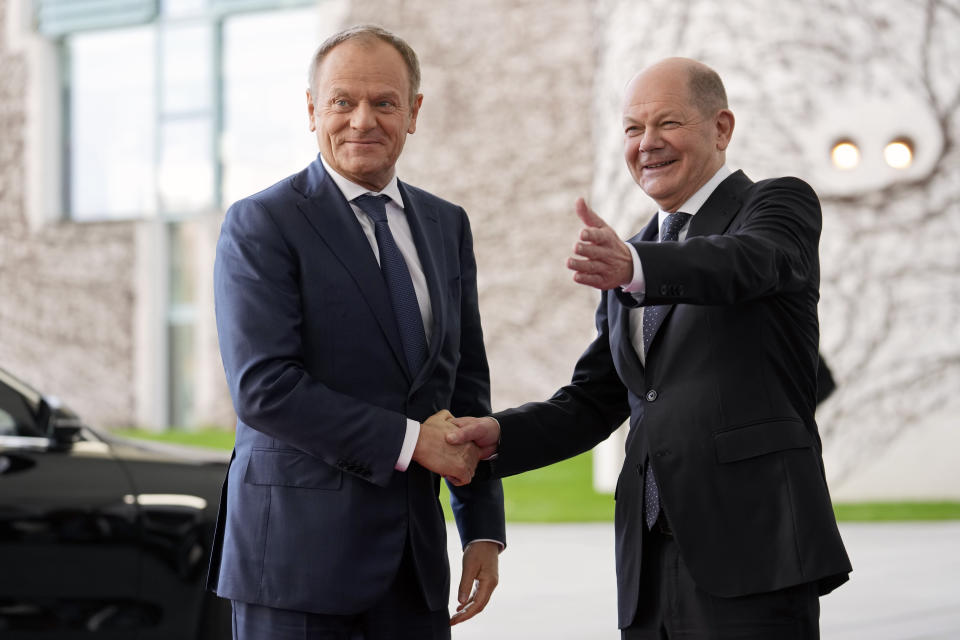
101 537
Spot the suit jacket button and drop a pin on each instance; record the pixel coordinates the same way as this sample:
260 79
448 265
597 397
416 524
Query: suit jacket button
651 395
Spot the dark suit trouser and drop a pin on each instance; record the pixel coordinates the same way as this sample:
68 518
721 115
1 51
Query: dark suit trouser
402 614
671 606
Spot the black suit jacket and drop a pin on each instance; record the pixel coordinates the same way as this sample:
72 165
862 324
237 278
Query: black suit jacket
723 409
314 517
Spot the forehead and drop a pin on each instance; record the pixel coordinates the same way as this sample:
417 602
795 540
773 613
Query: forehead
655 92
367 61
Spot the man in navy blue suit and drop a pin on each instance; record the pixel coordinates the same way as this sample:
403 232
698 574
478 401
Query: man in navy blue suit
348 321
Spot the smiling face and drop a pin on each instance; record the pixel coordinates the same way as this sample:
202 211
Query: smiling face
362 110
671 146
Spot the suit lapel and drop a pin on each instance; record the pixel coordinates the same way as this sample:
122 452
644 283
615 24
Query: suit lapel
625 356
620 331
330 215
713 218
716 214
425 227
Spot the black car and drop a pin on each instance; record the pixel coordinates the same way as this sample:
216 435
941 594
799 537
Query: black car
102 537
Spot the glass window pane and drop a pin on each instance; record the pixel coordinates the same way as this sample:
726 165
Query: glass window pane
187 58
265 59
186 165
180 8
112 115
182 376
184 245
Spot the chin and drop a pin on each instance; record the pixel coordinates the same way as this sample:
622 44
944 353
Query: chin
364 168
653 188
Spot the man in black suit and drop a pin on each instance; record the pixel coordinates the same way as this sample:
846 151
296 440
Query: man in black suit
707 340
348 322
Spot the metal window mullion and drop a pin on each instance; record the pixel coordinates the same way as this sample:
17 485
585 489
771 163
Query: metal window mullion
217 105
56 18
65 68
158 117
234 7
163 228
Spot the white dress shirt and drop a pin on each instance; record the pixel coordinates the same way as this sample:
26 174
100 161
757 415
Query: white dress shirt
400 229
638 285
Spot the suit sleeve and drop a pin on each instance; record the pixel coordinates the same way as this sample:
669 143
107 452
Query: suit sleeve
826 385
577 417
258 311
478 506
771 250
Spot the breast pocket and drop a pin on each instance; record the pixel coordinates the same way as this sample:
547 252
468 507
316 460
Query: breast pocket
751 441
285 468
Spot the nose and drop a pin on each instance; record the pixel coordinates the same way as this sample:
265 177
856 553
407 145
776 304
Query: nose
362 117
650 140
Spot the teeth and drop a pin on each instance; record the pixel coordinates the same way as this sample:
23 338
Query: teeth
656 166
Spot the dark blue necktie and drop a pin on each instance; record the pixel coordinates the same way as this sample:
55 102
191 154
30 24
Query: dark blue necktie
403 297
652 317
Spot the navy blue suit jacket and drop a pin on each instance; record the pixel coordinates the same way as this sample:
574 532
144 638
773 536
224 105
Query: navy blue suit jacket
723 408
314 516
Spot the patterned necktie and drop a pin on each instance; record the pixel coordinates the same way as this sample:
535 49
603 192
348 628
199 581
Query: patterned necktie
652 317
403 297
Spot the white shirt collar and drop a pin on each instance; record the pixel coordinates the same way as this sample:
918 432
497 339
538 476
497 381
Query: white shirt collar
692 206
351 190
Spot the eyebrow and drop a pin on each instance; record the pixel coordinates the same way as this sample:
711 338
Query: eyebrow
387 95
657 115
375 97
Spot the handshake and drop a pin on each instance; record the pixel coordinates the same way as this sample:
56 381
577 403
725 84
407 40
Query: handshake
453 446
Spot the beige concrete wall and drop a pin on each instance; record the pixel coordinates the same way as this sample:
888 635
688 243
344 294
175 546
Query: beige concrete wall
505 131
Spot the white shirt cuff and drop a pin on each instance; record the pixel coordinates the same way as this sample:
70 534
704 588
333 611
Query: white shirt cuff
638 284
409 444
496 542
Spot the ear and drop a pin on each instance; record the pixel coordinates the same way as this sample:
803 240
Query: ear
724 124
310 110
414 111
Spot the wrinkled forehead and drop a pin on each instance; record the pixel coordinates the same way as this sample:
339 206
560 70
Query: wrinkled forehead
363 59
640 107
656 90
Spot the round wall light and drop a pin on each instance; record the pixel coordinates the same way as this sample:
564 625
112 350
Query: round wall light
845 154
899 153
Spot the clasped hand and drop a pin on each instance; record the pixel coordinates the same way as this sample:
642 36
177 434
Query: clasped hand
453 446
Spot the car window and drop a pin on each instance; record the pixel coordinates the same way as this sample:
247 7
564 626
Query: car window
16 415
8 426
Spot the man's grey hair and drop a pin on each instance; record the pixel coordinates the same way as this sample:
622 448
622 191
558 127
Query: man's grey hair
367 32
706 90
